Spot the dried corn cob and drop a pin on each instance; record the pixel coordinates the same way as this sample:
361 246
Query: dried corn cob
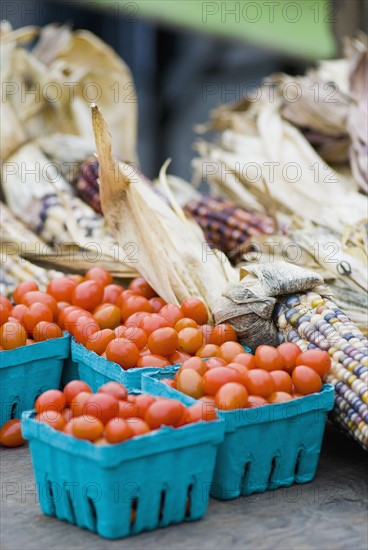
15 269
87 186
227 226
314 321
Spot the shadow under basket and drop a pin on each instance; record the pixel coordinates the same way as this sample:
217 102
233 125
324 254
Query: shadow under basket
266 447
28 371
147 482
96 370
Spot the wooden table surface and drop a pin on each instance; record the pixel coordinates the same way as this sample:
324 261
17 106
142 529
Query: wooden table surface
330 513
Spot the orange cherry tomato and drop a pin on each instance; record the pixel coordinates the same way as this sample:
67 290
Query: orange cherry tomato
124 296
103 406
231 396
201 411
35 313
64 314
61 289
134 334
279 397
169 382
306 380
241 369
68 428
152 360
260 382
61 306
18 312
77 278
269 358
213 379
208 332
172 313
137 426
223 333
55 419
6 302
189 382
98 340
195 363
46 331
184 323
208 350
282 381
126 409
256 401
29 342
140 286
73 388
12 335
163 341
178 357
135 319
99 275
123 352
229 350
152 322
246 359
316 359
33 296
115 389
214 362
195 309
157 303
50 400
135 304
208 399
142 402
84 327
11 434
168 412
79 402
107 316
22 288
290 353
118 430
88 295
87 427
4 314
112 293
190 340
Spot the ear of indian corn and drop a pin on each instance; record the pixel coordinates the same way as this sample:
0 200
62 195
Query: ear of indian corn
313 321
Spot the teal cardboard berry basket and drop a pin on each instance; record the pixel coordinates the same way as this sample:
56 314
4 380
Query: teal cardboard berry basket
266 447
96 370
28 371
147 482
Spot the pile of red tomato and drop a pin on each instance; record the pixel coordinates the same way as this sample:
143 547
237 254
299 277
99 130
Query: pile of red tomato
233 379
132 327
109 416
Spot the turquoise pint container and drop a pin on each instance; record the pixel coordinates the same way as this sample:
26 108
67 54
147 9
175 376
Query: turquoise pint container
96 370
266 447
147 482
28 371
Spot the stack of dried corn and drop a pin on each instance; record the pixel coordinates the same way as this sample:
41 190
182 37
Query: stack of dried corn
227 226
313 321
15 270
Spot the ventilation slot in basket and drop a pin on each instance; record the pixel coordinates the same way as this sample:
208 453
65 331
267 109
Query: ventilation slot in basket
162 505
93 514
14 410
188 505
50 497
70 505
297 462
272 470
133 511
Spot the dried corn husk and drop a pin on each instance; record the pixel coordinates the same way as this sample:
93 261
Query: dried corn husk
59 59
169 253
357 53
322 108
